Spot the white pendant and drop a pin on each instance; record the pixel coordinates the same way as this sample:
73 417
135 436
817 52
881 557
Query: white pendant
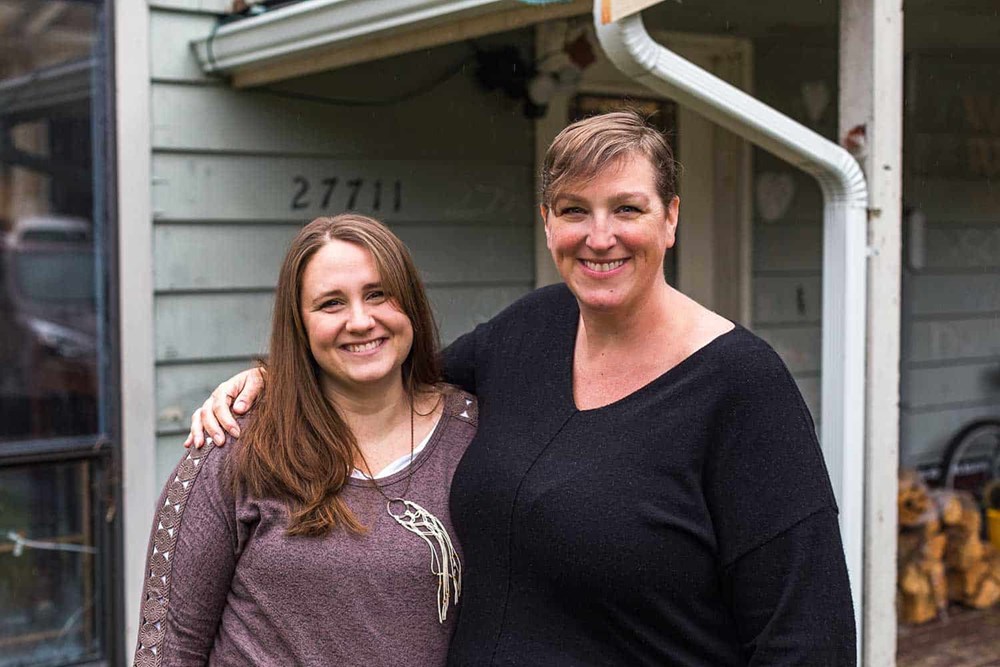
445 563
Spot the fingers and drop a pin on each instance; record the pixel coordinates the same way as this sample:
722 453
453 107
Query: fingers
252 386
196 436
210 421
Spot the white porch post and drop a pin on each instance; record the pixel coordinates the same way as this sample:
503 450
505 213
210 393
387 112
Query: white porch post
135 307
871 101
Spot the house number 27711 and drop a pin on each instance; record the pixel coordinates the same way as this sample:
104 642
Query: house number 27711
346 194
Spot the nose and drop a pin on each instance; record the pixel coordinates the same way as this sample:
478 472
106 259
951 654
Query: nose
601 235
359 319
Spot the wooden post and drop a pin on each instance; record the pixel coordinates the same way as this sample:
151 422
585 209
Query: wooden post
871 120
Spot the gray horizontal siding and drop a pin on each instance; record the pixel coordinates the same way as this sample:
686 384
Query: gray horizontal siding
926 434
169 32
951 315
248 188
227 201
181 388
956 383
193 257
787 246
457 121
226 325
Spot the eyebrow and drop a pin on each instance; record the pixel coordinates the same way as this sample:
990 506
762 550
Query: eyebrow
335 292
570 198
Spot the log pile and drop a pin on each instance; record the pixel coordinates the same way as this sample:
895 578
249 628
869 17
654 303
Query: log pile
941 557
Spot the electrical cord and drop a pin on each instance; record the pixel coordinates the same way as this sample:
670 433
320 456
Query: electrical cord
386 101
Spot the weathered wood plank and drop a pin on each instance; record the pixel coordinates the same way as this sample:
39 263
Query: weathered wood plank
182 388
244 189
798 346
787 299
460 309
787 247
925 435
941 340
946 200
457 122
211 326
192 257
192 327
170 54
953 294
962 245
924 387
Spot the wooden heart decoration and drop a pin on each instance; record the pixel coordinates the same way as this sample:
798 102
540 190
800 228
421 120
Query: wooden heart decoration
774 192
816 97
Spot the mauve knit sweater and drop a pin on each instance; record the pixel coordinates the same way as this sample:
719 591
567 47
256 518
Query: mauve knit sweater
226 585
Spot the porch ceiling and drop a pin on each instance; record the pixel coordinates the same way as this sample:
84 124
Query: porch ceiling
316 35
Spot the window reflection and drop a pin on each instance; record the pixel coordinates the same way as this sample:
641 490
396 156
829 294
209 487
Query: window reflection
48 305
48 600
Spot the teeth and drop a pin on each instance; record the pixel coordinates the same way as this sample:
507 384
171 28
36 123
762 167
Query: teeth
605 266
364 347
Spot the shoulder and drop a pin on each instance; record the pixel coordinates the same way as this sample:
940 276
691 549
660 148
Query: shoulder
460 405
206 471
749 366
202 471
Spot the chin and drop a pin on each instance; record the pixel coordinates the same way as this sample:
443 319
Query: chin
600 300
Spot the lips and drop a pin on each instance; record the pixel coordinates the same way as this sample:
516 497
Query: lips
603 267
367 346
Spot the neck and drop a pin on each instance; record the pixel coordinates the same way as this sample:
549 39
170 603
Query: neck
372 415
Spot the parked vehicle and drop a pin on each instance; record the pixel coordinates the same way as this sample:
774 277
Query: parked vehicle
48 326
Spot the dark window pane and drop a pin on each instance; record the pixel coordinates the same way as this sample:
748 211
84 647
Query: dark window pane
49 606
49 280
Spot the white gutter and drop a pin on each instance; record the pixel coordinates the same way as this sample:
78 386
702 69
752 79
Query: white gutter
304 26
845 197
319 35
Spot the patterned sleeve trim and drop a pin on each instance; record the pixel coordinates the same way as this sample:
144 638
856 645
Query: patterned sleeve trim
468 408
159 562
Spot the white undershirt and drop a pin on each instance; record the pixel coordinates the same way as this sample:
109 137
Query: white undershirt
400 463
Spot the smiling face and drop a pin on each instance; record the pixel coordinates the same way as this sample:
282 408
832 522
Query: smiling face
358 337
608 234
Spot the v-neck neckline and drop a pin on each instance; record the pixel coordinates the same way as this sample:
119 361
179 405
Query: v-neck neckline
570 329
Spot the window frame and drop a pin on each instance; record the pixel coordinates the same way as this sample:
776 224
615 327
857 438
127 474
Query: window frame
102 449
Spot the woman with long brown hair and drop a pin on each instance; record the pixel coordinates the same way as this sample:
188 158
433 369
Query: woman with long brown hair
307 542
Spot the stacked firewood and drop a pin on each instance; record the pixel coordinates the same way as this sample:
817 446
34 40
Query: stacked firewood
941 557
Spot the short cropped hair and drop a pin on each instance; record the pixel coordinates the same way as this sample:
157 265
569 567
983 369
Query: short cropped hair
590 145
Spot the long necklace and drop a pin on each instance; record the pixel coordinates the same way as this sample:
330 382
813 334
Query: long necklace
445 564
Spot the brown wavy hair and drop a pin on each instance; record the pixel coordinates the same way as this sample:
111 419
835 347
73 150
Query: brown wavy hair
295 446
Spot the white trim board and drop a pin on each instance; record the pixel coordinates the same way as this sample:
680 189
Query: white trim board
135 299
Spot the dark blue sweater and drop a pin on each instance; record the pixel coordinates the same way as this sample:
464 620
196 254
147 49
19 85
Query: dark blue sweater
690 523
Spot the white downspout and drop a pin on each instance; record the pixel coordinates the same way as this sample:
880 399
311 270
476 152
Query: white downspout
845 197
